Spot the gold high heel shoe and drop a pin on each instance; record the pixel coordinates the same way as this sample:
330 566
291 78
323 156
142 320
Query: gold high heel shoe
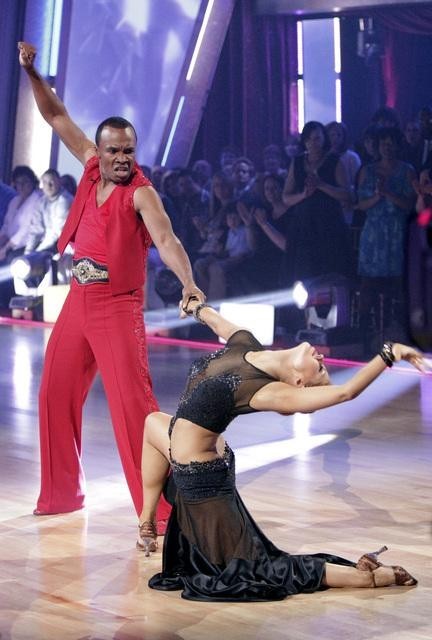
369 561
147 538
401 577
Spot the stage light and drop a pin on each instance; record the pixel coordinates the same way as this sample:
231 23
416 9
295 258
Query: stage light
31 268
20 268
300 295
326 301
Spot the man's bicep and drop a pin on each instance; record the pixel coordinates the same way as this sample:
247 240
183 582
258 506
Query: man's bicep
150 207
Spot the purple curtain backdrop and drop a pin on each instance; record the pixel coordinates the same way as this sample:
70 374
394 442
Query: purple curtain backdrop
250 105
407 49
252 99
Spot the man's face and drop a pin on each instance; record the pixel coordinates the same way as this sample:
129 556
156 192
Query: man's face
50 185
116 151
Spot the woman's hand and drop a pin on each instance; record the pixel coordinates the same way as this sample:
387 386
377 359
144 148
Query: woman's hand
411 355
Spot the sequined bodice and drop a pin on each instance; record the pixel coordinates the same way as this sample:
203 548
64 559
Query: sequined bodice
221 384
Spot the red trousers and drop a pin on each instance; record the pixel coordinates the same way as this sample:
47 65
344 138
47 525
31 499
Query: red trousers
95 331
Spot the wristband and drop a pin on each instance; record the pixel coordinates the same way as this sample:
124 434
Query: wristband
387 354
197 311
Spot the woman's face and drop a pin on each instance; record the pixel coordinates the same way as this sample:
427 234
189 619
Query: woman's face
387 148
309 363
315 141
272 190
23 186
221 188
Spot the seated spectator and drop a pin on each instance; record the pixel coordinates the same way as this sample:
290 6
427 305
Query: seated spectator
227 157
16 224
202 174
49 215
6 195
271 239
338 136
272 161
213 231
216 273
156 175
14 231
194 211
246 188
69 183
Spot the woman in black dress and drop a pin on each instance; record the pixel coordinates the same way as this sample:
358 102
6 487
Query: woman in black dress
213 549
316 189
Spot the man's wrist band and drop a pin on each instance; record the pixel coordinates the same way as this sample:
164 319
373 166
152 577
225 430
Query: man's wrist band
387 354
197 312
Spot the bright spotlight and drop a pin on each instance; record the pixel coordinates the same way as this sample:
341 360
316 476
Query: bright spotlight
20 268
300 295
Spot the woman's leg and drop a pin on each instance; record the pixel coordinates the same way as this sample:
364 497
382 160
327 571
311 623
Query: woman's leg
154 462
337 575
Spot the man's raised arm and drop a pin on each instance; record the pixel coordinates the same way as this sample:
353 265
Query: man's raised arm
53 109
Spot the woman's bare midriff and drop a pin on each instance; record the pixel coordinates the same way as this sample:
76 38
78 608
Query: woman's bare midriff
192 443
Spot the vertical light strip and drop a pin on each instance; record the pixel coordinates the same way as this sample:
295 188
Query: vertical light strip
55 37
173 130
338 100
301 104
300 48
337 45
199 40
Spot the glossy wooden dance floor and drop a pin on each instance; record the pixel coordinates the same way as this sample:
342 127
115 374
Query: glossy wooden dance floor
346 481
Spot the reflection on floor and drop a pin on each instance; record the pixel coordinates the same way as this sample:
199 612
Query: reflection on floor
345 481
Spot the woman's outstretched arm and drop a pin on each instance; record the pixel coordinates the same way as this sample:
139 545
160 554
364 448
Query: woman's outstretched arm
287 399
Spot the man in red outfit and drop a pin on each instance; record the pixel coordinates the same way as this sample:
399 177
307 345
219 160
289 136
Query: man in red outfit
114 218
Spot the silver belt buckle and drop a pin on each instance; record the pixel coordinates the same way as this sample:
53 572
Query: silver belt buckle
85 271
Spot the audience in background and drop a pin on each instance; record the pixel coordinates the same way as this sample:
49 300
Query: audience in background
249 231
338 136
412 151
316 188
69 183
218 272
14 231
49 215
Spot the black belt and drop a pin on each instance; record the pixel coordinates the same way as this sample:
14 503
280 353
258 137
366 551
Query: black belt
87 271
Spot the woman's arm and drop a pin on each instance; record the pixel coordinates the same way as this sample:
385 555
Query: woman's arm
271 232
209 316
287 399
366 202
289 196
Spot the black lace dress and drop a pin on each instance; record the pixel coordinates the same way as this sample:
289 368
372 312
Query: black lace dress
213 550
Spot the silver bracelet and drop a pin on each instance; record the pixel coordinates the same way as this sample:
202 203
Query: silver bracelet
197 311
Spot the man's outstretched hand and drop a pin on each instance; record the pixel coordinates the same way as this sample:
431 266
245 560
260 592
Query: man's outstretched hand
27 54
